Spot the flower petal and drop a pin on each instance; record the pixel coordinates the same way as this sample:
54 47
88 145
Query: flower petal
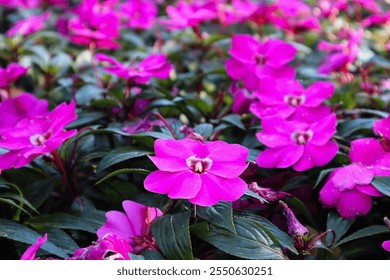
353 204
280 157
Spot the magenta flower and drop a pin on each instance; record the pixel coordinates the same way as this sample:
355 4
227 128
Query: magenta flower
10 74
297 144
349 188
242 99
264 12
107 247
186 14
288 99
204 173
29 254
331 8
133 226
29 25
20 107
386 245
139 14
155 65
238 11
35 136
382 127
96 24
376 19
252 60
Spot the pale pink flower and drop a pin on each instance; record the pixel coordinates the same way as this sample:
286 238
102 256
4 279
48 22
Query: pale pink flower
35 136
204 173
29 25
29 254
253 60
185 14
133 226
10 74
139 14
297 144
155 65
290 100
107 247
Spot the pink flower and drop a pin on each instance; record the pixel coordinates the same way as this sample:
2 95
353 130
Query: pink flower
96 24
252 60
288 99
264 12
139 14
29 254
155 65
238 11
242 99
369 5
349 188
376 19
29 25
386 245
107 247
10 74
382 127
35 136
297 144
330 8
185 15
133 226
20 107
204 173
32 3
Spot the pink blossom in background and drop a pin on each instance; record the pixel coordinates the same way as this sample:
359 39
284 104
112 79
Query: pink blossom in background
95 23
133 226
288 99
204 173
349 188
139 14
185 14
107 247
155 65
386 245
29 254
370 5
297 144
382 127
331 8
10 74
252 60
35 136
295 16
25 4
237 11
242 99
264 12
376 19
19 108
29 25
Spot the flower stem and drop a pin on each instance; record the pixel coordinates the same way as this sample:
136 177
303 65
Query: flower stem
167 125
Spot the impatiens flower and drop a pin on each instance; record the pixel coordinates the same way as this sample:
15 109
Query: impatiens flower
29 254
297 144
264 12
29 25
288 99
204 173
349 188
139 14
96 24
386 245
133 226
10 74
155 65
20 107
185 14
382 127
238 11
268 194
35 136
331 8
252 60
376 19
107 247
242 99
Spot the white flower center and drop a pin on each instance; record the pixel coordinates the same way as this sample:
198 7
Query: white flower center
199 165
302 137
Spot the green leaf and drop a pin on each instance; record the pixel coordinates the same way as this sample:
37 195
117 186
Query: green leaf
250 241
62 240
252 194
21 233
220 214
88 93
124 170
151 255
365 232
86 118
172 236
120 155
235 120
135 257
348 128
382 184
339 225
204 129
214 38
322 176
87 221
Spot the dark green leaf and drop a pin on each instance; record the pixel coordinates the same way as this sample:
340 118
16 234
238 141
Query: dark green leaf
86 118
339 225
151 255
18 232
135 257
255 195
365 232
250 241
204 129
124 170
322 176
234 120
382 184
220 214
302 209
88 93
348 128
172 236
120 155
62 240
